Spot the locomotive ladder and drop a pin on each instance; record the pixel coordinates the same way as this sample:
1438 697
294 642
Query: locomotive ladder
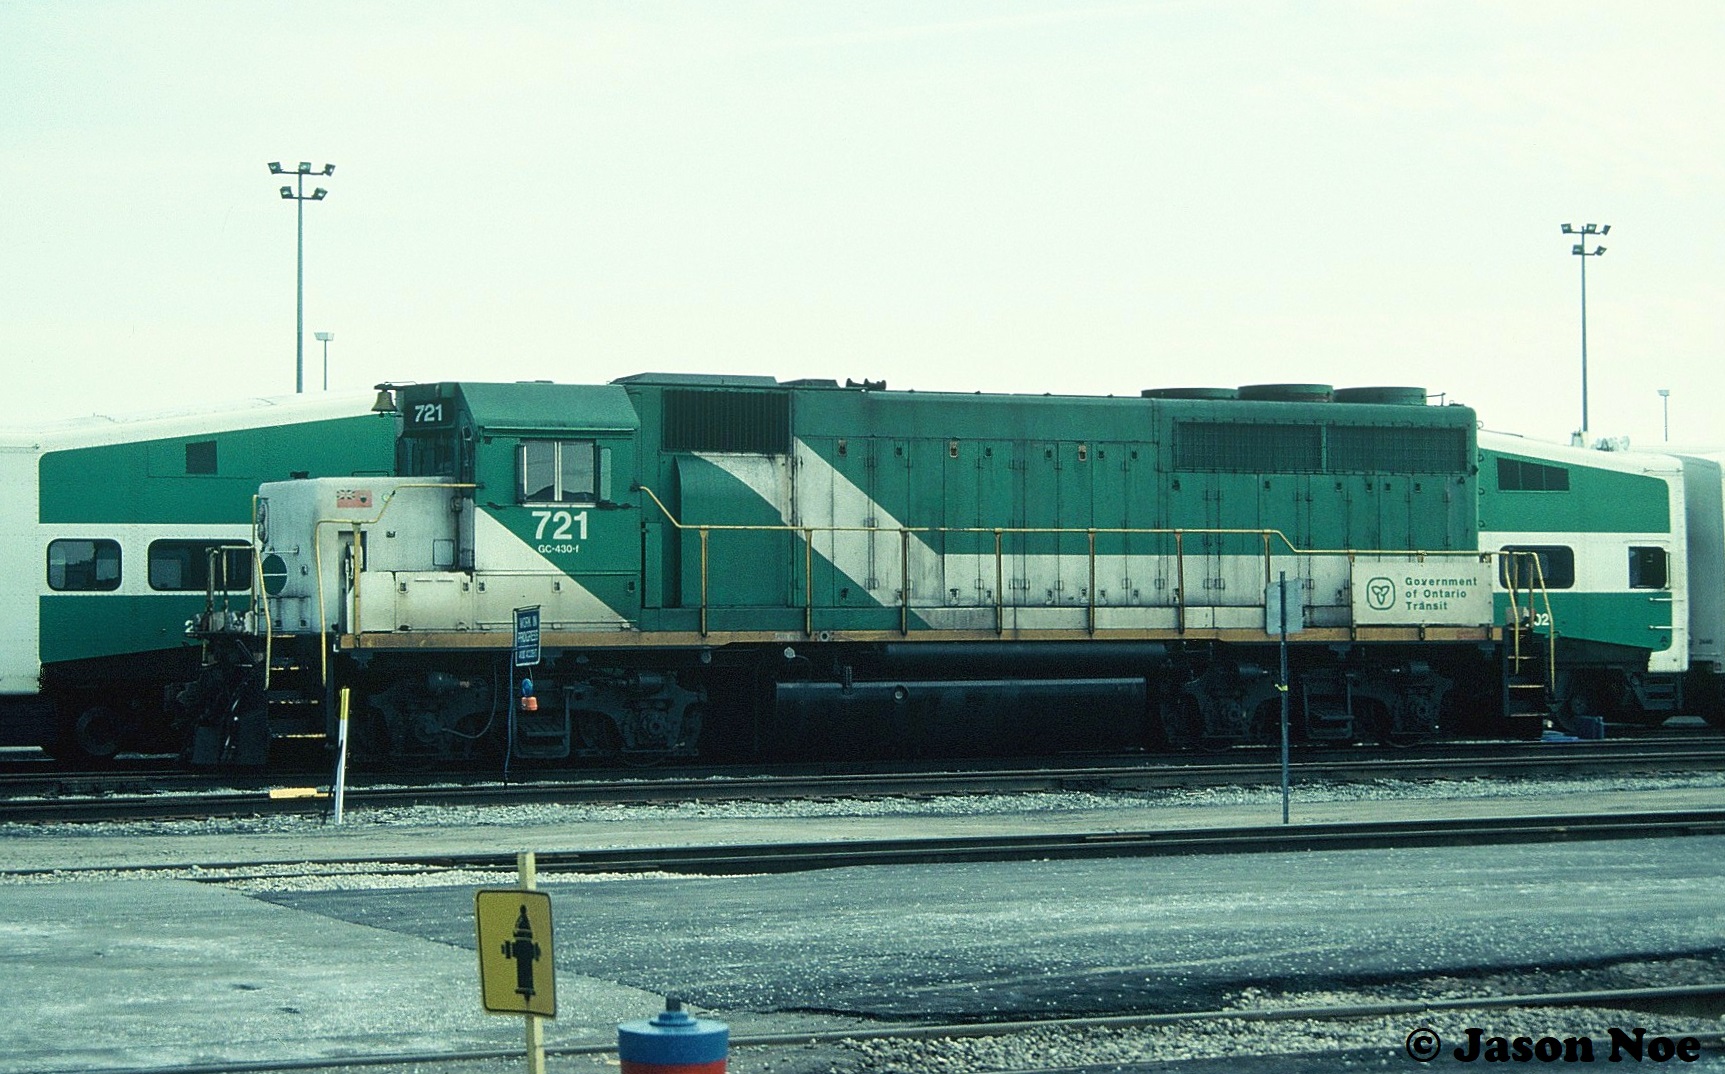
1527 655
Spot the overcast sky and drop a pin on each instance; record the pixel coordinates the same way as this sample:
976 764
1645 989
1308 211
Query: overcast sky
1024 197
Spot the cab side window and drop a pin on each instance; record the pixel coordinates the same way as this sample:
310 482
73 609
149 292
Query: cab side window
83 566
559 471
1649 568
177 565
1555 569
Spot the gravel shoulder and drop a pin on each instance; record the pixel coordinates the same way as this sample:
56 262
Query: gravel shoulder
431 830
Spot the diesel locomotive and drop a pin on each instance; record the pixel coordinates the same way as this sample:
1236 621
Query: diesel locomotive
742 566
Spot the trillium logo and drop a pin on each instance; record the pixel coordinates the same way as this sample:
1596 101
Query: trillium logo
1381 594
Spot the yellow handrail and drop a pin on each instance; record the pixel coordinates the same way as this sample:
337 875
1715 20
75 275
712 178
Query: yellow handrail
1267 535
1536 583
1292 548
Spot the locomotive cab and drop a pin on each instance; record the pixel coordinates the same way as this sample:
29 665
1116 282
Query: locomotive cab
497 508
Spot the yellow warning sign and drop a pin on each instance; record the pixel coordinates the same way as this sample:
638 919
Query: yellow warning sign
515 974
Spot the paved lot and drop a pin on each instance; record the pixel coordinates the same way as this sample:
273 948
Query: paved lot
1112 936
110 974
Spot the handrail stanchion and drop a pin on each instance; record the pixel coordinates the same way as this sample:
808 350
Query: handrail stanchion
904 582
809 581
999 596
1179 582
704 581
1090 619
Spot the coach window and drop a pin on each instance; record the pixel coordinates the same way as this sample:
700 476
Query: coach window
201 457
1556 568
1649 568
83 566
177 566
559 471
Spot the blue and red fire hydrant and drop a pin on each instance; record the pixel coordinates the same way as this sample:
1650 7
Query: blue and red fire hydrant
673 1042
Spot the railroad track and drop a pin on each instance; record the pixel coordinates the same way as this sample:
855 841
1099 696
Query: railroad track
782 857
116 797
779 1050
1709 999
27 769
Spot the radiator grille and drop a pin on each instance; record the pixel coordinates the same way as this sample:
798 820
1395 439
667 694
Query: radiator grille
1255 448
756 422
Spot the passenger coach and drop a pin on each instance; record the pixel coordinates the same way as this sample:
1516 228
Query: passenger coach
114 531
1629 550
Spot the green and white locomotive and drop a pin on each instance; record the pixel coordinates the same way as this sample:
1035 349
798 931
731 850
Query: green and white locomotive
742 566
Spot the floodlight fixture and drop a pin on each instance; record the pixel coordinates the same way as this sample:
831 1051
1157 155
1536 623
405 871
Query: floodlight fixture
1580 250
324 338
298 195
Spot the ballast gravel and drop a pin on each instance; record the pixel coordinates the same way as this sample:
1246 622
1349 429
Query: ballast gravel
361 819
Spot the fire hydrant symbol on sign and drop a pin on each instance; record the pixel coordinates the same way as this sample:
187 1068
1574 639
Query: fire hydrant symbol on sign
525 953
517 974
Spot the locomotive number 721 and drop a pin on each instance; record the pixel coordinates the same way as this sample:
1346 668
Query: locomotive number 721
564 525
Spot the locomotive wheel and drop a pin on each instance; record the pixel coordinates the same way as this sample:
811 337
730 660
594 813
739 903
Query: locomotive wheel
92 735
598 733
1265 727
1183 723
1374 725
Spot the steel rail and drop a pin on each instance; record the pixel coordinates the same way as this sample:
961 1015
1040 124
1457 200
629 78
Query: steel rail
53 801
783 857
796 857
1627 997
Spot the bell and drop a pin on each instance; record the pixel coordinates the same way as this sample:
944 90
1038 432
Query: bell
385 402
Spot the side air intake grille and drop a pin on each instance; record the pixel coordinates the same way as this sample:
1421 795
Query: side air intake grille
1268 449
1226 445
1398 451
755 422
